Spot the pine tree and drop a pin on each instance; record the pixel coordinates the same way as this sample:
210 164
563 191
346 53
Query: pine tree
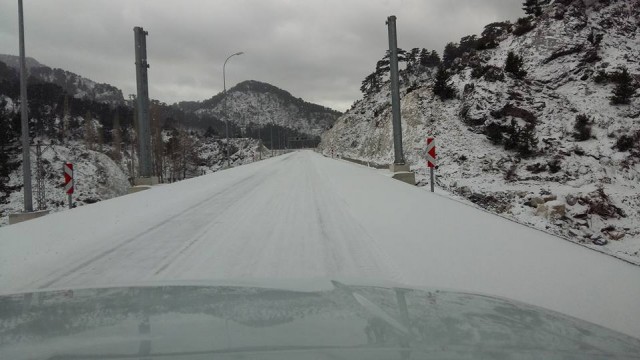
370 84
513 65
451 52
413 59
8 150
527 141
373 82
429 59
582 128
532 7
441 86
624 90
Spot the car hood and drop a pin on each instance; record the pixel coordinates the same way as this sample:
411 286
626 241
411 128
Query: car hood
340 321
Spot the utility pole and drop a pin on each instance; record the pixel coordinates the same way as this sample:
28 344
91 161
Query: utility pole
24 108
395 91
144 137
399 168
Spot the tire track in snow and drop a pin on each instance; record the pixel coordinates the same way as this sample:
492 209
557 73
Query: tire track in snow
355 240
76 271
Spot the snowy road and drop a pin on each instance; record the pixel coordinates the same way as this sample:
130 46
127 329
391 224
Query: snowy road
303 216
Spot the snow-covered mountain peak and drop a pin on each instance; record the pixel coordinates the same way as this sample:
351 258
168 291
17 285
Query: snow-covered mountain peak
73 84
252 103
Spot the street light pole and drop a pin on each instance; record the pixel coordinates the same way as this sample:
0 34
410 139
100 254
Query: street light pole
24 108
226 116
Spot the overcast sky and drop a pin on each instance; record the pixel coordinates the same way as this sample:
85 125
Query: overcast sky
319 50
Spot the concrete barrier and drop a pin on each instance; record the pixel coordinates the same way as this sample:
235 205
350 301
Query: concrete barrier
366 163
20 217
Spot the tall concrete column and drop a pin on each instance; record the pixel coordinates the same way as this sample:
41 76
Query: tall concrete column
395 91
24 111
144 133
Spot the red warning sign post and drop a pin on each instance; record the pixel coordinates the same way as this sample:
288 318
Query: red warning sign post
431 160
68 181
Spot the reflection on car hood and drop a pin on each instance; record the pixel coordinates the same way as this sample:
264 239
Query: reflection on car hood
353 322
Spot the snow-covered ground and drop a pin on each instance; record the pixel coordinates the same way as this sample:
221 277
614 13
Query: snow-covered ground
303 216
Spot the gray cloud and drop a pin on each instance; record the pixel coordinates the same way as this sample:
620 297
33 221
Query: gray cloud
319 50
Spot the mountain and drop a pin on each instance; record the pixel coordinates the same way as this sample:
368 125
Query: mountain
95 131
14 62
252 103
74 84
540 141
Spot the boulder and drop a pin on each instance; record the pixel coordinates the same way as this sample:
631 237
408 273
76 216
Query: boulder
557 210
542 210
551 210
535 201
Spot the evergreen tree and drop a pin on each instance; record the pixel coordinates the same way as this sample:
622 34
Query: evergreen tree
413 59
430 59
582 128
373 82
441 86
624 90
528 141
523 26
513 65
522 140
451 52
8 150
370 84
532 7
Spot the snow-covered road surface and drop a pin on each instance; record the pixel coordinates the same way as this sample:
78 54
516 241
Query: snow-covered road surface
303 216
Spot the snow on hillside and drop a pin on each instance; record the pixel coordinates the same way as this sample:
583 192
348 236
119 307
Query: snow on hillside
74 84
586 191
255 103
99 177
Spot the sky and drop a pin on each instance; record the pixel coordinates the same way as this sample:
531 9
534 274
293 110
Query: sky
319 50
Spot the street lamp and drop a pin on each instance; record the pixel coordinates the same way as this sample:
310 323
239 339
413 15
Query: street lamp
226 116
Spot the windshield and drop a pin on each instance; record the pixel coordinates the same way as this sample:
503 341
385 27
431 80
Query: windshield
347 321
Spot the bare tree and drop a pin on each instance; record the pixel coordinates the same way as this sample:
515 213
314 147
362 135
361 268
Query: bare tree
89 131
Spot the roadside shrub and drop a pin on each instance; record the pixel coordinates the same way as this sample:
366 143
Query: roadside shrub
625 143
601 77
555 165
